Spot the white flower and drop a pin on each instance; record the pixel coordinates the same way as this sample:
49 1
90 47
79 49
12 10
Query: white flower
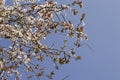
1 64
31 19
83 23
10 47
16 3
9 73
19 57
20 34
2 73
2 2
32 1
24 10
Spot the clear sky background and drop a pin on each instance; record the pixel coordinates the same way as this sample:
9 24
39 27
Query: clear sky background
103 28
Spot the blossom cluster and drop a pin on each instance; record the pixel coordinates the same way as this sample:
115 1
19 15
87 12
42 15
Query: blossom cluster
25 24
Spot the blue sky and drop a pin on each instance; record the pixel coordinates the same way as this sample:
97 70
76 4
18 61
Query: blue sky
102 26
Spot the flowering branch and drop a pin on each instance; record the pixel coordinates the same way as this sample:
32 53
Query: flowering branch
25 24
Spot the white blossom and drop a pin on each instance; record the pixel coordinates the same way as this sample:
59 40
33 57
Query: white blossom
25 24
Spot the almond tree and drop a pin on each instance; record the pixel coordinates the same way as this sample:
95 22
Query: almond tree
25 24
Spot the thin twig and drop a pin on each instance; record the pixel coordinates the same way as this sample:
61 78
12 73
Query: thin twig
63 17
90 48
57 16
65 77
52 44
